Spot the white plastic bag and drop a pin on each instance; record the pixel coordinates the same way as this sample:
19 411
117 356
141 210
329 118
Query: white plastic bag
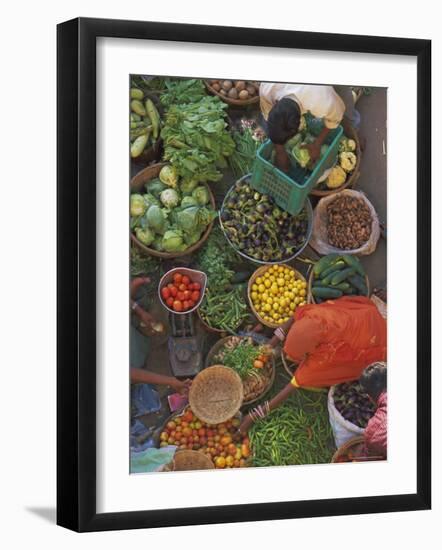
343 430
319 238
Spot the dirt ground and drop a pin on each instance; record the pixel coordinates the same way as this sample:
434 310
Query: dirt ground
372 181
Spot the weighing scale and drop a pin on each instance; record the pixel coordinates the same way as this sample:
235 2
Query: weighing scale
184 350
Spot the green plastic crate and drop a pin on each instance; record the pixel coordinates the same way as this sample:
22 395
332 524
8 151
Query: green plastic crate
290 190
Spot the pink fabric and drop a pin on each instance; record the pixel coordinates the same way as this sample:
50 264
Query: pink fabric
376 431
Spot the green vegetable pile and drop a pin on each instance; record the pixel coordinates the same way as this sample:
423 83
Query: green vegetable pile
196 141
297 432
223 306
167 219
140 264
178 92
247 141
240 357
335 275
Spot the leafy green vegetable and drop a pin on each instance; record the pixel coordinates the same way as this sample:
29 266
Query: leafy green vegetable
146 236
188 201
170 198
240 357
247 143
182 91
137 205
196 140
302 156
143 264
169 176
194 218
201 195
156 219
155 187
173 241
149 199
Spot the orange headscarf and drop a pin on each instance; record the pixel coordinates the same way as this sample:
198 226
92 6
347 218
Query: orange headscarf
334 341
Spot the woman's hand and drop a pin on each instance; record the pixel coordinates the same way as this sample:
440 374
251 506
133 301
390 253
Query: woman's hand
245 425
181 386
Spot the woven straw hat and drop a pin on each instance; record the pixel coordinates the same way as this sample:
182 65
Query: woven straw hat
216 394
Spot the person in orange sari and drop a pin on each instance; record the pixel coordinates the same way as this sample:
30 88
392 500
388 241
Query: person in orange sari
331 342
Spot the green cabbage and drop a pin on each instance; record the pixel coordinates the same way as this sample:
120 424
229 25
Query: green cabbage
302 156
146 236
155 187
194 219
188 186
173 241
137 205
169 176
170 198
149 199
156 219
188 201
201 195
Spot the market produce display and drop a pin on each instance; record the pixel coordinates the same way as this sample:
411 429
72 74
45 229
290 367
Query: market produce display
349 222
242 90
145 122
182 294
297 432
259 229
196 141
353 403
336 275
251 361
248 137
168 219
218 442
276 292
223 306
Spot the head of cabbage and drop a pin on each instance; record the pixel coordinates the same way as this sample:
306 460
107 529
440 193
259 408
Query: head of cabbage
302 156
137 205
149 199
156 219
169 176
170 198
173 241
146 236
188 201
201 195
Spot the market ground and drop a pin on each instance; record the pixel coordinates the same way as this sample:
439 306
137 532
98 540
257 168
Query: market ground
372 181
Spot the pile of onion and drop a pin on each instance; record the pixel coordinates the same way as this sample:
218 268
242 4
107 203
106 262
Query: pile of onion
236 89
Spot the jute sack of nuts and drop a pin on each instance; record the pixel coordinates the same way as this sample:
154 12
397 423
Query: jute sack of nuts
320 239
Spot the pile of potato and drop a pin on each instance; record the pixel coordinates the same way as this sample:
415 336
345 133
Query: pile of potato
236 89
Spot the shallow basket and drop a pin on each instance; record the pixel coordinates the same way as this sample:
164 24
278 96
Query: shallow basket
308 234
230 101
343 449
311 298
290 191
137 185
260 271
218 346
190 460
216 394
352 179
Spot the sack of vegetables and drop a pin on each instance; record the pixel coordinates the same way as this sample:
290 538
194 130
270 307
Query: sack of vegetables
164 220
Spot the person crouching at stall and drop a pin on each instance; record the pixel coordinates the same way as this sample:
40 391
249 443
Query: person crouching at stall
374 382
331 342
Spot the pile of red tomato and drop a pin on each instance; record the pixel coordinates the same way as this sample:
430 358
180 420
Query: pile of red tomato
218 442
181 294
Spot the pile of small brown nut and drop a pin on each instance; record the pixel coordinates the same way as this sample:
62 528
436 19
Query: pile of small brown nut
349 222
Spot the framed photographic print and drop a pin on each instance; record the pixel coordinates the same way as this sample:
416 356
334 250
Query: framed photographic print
224 346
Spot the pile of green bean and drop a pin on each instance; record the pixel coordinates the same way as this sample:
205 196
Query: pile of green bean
297 432
224 310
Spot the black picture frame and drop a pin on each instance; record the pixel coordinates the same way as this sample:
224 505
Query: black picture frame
76 293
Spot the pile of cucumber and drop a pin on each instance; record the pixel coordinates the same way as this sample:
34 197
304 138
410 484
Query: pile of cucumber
336 275
145 122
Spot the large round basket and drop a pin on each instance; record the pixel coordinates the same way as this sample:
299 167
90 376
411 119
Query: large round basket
307 206
311 298
351 180
341 455
136 185
260 271
230 101
213 353
216 394
190 460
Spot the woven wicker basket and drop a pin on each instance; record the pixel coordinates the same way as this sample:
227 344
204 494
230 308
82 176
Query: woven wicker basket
137 185
190 460
230 101
343 449
311 298
216 394
215 349
351 181
260 271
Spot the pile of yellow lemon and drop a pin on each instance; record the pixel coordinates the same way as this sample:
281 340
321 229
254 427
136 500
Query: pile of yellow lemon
277 293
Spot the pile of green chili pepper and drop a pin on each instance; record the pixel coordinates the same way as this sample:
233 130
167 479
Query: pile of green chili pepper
224 310
297 432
